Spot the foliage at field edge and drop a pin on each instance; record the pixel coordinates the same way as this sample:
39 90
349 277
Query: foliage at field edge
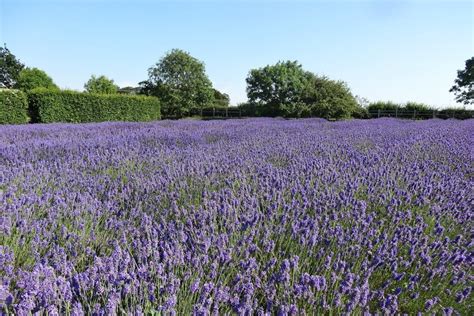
47 106
100 85
463 87
257 216
34 78
13 107
180 82
286 89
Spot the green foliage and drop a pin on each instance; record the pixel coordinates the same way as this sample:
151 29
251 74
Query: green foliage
296 109
383 106
407 110
180 82
33 78
360 113
419 107
248 109
288 90
13 107
277 89
463 87
457 113
330 98
10 68
100 85
48 106
221 100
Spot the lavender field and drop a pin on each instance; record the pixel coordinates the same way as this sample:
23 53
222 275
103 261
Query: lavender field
254 216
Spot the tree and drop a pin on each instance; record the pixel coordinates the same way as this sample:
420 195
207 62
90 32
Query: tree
221 99
330 98
463 87
32 78
180 82
100 85
276 88
10 68
287 89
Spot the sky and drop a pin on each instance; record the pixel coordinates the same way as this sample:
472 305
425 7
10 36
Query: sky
385 50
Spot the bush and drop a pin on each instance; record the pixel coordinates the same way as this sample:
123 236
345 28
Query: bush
457 113
383 106
360 113
13 107
48 106
247 109
413 106
330 98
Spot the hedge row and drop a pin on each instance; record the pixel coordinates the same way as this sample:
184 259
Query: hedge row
47 106
13 107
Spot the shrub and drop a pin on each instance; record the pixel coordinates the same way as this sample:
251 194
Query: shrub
330 98
457 113
48 106
247 109
295 109
360 113
383 106
13 107
221 100
414 106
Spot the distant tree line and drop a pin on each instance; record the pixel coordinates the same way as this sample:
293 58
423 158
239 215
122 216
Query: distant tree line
183 88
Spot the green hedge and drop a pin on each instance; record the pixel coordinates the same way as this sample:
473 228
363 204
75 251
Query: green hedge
13 107
47 106
457 113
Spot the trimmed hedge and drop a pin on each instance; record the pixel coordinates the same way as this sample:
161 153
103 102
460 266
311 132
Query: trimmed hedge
47 106
13 107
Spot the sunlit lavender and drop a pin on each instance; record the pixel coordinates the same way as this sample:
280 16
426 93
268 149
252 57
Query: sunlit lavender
252 216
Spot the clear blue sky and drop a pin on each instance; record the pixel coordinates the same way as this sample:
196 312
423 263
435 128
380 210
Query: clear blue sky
384 50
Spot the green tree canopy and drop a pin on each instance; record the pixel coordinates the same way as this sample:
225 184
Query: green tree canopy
274 88
330 98
287 89
100 85
221 99
180 82
463 87
10 68
32 78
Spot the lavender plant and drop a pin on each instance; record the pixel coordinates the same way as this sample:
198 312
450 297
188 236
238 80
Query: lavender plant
258 216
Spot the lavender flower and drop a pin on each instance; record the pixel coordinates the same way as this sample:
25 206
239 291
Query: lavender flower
272 216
